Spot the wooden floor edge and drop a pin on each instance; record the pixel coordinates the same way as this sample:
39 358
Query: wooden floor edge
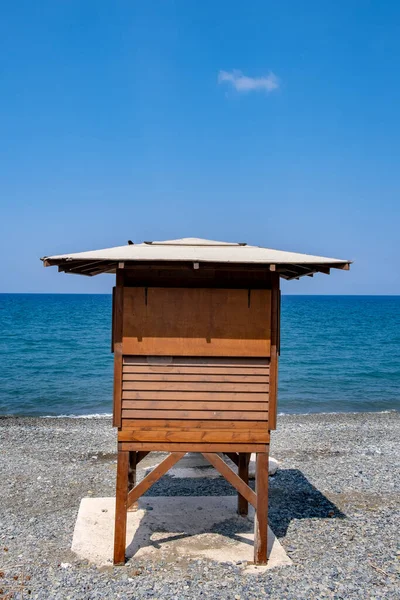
191 447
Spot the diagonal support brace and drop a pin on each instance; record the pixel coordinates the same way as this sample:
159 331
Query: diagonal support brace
231 477
153 476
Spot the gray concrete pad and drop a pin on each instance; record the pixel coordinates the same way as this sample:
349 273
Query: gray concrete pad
173 527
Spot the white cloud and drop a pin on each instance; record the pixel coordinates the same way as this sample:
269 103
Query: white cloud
243 83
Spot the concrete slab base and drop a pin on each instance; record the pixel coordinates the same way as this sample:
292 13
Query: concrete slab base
173 527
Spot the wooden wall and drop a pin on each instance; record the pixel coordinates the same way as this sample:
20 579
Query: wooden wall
196 322
195 365
179 399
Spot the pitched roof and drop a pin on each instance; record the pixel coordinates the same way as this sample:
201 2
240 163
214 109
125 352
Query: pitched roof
288 264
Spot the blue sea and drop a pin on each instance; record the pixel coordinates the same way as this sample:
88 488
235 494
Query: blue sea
338 354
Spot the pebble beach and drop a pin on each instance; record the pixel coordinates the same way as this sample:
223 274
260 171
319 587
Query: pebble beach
334 506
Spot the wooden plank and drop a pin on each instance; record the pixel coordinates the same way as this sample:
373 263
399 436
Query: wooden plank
132 470
261 514
188 405
154 476
196 371
193 395
243 472
118 307
121 507
201 361
241 436
273 391
193 447
231 477
196 322
179 386
196 346
189 425
117 392
227 415
199 378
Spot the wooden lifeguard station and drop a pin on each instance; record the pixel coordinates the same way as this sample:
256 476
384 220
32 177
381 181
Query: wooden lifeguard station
195 336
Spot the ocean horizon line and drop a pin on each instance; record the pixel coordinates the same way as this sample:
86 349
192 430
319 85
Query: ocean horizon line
283 294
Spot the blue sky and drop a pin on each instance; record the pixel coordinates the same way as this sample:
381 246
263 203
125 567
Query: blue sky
274 123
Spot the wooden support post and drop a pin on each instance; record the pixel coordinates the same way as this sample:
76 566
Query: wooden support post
275 343
231 477
118 310
243 472
261 514
132 469
234 456
121 506
140 456
133 460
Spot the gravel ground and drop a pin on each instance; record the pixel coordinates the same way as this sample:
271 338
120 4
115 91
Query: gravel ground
334 505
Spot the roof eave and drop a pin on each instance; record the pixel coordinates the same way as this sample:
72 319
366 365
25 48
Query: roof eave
284 269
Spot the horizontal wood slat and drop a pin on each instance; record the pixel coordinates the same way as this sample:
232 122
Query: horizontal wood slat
199 377
198 387
195 400
194 414
164 435
193 447
190 424
187 405
197 362
195 370
209 396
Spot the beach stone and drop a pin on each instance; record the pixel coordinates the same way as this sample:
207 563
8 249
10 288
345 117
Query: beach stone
319 455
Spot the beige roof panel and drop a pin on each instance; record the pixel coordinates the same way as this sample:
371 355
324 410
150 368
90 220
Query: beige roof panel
190 249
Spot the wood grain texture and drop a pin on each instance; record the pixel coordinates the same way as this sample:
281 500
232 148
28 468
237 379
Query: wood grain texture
243 472
273 383
197 436
117 390
183 386
196 322
121 507
195 398
226 415
117 319
208 378
228 371
190 424
261 514
154 362
194 405
195 395
192 447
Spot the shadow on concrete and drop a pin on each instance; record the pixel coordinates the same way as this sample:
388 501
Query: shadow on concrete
199 526
291 496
